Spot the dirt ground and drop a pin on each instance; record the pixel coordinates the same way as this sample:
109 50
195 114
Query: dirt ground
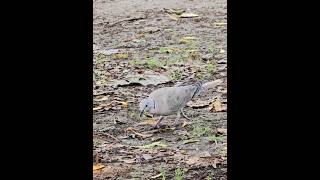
143 45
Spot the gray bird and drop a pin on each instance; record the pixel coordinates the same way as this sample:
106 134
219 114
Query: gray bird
169 100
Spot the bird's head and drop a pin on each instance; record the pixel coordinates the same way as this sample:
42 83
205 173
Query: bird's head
146 105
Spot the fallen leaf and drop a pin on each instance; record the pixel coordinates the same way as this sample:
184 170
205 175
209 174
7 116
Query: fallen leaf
224 91
124 104
139 134
173 17
115 170
128 161
184 152
220 23
143 135
204 162
150 30
167 50
97 167
101 98
167 30
193 160
205 154
187 39
97 108
217 106
190 141
150 121
188 15
198 103
222 51
152 145
222 130
120 56
109 51
185 123
143 80
146 156
156 176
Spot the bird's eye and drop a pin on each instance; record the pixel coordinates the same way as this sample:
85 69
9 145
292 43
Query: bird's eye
146 105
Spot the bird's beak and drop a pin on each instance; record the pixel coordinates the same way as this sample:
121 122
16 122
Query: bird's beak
141 112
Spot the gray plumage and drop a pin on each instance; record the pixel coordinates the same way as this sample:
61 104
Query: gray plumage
170 100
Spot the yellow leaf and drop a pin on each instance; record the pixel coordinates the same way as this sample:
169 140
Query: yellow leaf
184 152
120 56
188 15
97 167
150 121
217 106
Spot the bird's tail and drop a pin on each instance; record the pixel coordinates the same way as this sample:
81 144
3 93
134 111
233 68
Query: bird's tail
198 85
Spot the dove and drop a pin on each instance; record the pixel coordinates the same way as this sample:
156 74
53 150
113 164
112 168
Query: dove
169 100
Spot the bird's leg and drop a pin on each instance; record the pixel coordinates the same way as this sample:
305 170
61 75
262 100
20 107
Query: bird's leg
158 122
184 114
176 122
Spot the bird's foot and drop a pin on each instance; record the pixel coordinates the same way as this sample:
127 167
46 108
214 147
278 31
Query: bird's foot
184 115
176 123
158 125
